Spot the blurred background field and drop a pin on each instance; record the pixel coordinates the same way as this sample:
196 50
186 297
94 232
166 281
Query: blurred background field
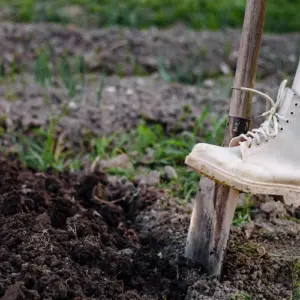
282 16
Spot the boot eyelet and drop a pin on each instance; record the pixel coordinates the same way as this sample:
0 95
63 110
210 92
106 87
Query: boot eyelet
296 104
287 121
281 128
291 112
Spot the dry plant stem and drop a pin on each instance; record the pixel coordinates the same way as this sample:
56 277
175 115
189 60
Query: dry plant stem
215 204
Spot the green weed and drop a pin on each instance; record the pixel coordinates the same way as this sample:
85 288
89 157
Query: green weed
185 187
165 149
100 89
128 173
43 151
72 74
242 212
147 146
296 280
183 74
43 68
241 296
147 137
68 73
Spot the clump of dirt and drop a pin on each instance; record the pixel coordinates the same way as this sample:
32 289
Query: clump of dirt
73 237
67 236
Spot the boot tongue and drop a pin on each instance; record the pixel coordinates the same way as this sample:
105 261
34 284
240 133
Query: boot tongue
236 141
283 109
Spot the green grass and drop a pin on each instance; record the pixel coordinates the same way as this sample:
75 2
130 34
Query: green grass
296 280
71 73
148 147
197 14
165 149
241 296
243 212
43 150
183 75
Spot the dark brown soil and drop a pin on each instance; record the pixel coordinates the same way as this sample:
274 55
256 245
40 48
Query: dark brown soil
92 237
74 237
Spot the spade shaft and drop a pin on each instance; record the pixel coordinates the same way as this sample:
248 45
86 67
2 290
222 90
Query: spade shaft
215 204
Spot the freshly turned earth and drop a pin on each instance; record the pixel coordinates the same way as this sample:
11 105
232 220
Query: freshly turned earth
92 237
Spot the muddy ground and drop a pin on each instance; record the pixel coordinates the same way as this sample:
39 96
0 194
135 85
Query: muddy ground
89 236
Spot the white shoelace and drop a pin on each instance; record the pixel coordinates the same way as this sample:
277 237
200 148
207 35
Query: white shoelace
270 127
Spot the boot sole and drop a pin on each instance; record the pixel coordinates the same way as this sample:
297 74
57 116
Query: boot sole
291 193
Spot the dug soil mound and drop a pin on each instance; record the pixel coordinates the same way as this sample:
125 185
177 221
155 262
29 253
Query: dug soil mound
68 237
92 237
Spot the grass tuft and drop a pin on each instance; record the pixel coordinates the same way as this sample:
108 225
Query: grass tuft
296 280
241 296
243 212
148 147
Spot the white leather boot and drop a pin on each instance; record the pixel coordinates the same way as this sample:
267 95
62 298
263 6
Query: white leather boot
263 161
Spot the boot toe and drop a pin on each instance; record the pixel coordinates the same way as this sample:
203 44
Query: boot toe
216 155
